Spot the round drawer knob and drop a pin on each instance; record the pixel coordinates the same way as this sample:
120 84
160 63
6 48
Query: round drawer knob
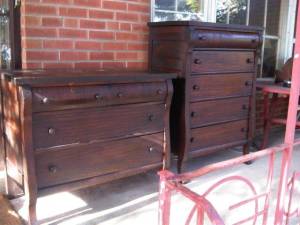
51 131
52 169
151 117
243 130
197 61
196 87
151 149
98 97
193 114
245 107
159 92
202 38
119 95
45 100
253 41
192 139
247 83
250 61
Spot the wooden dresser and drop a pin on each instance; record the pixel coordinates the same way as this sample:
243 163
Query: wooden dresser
214 96
67 130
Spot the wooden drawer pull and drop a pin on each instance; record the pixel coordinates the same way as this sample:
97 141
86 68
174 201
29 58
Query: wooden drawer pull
197 61
253 40
98 97
45 100
192 139
151 117
202 38
120 95
243 130
250 61
51 131
248 83
196 87
159 92
151 149
193 114
52 169
245 107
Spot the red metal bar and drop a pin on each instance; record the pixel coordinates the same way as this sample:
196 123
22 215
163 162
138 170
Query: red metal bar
290 128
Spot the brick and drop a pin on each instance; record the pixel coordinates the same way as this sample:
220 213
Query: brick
39 9
61 2
126 36
52 22
125 26
139 8
58 65
114 46
113 65
40 32
41 55
90 45
30 65
101 35
114 5
112 26
126 55
90 3
90 65
127 16
73 56
140 28
101 56
32 43
73 33
58 44
31 21
73 12
70 22
137 65
91 24
101 14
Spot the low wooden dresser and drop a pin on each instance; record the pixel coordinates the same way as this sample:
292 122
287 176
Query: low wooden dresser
214 95
65 130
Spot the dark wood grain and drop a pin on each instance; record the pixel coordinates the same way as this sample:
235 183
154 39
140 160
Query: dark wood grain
55 98
61 166
218 111
206 87
222 61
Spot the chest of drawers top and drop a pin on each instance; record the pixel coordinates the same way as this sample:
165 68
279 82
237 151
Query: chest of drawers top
208 35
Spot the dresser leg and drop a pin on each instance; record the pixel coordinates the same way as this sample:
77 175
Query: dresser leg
246 151
31 207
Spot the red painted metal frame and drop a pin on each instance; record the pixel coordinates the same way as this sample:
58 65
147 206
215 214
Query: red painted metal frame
171 183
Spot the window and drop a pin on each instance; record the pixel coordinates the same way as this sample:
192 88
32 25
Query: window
178 10
10 56
277 16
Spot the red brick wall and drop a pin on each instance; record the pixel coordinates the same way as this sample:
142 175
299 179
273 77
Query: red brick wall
85 33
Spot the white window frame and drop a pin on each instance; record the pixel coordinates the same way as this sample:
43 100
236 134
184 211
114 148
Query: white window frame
285 36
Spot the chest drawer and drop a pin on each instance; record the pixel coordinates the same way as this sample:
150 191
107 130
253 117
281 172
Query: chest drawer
53 98
85 161
86 125
205 87
222 61
217 111
209 136
223 39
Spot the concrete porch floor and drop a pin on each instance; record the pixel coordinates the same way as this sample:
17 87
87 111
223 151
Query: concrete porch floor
133 201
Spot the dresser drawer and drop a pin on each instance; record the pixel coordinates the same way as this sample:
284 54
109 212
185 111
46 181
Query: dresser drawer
222 61
217 111
53 98
225 133
205 87
90 160
86 125
223 39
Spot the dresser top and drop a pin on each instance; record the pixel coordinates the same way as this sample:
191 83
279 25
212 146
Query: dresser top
220 26
34 78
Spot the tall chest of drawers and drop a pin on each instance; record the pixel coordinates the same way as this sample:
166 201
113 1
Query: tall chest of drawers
214 102
67 130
